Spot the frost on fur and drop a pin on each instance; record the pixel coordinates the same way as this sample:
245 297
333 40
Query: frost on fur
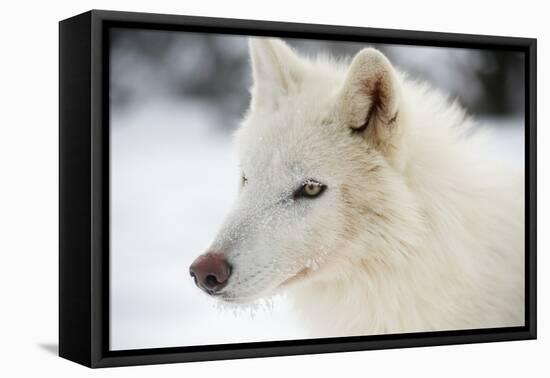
417 229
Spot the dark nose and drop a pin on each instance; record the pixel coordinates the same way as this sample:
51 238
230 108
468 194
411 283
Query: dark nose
211 272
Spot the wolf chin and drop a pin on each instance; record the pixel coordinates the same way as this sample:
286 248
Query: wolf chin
369 199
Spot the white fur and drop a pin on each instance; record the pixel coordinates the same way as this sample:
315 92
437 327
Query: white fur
418 230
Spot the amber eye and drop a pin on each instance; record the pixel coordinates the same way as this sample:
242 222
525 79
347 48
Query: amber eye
310 189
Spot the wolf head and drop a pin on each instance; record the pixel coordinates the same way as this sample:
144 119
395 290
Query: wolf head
323 158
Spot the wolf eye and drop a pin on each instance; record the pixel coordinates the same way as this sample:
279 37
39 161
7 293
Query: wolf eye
310 189
243 180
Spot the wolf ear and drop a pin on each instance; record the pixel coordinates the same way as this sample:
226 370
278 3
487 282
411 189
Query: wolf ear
276 69
369 101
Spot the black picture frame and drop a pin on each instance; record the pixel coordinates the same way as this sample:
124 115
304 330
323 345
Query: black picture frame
84 188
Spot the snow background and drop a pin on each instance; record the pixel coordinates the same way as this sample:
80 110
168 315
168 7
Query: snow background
174 173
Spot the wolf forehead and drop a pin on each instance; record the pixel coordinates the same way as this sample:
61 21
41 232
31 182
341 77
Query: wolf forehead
291 151
280 134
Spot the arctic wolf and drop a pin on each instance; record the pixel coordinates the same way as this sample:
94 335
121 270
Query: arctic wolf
368 198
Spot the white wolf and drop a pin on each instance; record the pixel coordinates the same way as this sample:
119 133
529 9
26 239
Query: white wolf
371 200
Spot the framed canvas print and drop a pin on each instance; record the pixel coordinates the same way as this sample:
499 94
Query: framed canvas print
234 188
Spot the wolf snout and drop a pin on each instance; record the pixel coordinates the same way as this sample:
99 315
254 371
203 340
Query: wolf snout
211 272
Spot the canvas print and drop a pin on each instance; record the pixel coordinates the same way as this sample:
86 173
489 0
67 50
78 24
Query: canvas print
270 189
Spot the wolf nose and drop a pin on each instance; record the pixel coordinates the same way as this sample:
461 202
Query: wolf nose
211 272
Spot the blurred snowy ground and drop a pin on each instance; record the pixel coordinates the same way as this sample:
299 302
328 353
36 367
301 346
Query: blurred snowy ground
174 177
507 140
